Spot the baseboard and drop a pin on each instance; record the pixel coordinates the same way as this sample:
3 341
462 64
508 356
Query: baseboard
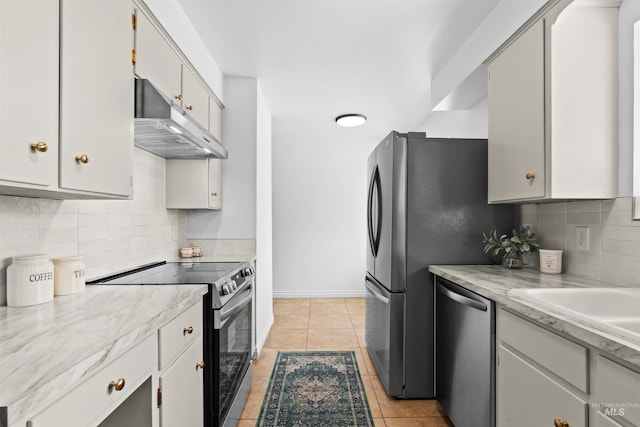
318 294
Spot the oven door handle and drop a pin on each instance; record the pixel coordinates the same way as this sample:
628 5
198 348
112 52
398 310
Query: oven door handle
227 313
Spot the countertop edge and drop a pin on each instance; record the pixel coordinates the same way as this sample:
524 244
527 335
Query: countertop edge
92 359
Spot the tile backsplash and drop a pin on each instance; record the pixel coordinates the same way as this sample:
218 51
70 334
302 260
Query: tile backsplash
613 253
110 235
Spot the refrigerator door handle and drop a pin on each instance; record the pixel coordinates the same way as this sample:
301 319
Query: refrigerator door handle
374 230
373 290
462 299
370 213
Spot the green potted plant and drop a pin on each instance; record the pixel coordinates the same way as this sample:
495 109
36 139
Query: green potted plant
523 241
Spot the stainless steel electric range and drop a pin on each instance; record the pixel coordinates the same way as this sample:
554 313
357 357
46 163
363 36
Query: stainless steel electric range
227 327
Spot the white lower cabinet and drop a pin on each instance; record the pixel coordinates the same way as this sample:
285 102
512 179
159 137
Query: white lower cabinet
542 377
182 389
194 184
539 376
159 381
92 401
180 396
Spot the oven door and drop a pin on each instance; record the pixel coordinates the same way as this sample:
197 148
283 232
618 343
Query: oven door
232 353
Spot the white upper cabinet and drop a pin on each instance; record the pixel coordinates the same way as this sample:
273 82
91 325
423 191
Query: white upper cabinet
194 184
96 96
156 60
195 99
29 92
215 119
553 106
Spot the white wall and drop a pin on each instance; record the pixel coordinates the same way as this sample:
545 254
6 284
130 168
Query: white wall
319 226
237 219
458 124
246 213
264 221
110 235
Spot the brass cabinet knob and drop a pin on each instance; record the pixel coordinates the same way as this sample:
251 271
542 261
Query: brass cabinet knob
40 146
117 385
187 330
530 175
82 158
199 365
178 97
560 423
214 194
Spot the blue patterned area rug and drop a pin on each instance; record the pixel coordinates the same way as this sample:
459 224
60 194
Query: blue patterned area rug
314 389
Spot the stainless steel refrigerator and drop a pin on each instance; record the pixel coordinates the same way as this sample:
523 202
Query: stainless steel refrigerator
427 204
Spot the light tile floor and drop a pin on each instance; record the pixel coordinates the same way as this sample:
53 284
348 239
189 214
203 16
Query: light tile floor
333 324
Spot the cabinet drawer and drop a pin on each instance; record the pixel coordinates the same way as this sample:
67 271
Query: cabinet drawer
93 400
618 389
175 336
527 397
566 359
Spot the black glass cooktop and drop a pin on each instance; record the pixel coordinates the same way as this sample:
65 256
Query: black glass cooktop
170 273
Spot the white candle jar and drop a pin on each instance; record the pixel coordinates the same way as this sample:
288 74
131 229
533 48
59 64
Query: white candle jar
68 276
29 280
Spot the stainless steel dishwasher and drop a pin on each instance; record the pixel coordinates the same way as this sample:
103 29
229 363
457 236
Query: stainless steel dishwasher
465 355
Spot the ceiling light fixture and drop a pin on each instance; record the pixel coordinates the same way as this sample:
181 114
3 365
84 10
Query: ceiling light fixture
351 120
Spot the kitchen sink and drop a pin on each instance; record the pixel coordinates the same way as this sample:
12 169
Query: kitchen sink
612 310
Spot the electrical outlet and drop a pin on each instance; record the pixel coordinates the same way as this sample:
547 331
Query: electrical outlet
582 238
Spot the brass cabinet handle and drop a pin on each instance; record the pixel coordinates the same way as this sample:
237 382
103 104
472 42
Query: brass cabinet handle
214 194
200 365
178 97
560 423
117 385
530 175
189 107
187 330
40 146
82 158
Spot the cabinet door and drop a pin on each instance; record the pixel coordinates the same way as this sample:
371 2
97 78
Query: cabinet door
29 91
182 390
215 119
195 100
527 397
96 96
215 183
516 119
156 60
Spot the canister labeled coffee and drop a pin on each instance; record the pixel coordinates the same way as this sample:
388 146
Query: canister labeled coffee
29 280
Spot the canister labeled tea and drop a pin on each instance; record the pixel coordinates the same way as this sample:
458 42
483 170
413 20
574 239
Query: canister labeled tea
68 277
29 280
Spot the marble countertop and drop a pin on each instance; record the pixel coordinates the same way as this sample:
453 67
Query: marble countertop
47 348
494 282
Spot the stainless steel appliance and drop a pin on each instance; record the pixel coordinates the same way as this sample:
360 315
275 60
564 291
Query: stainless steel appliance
162 127
465 355
227 327
427 204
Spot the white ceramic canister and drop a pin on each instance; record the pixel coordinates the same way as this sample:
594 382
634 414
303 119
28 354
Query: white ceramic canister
550 261
29 280
68 275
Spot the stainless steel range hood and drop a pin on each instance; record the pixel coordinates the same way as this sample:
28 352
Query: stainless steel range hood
161 127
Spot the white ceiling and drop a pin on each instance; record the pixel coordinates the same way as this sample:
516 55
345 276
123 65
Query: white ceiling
317 59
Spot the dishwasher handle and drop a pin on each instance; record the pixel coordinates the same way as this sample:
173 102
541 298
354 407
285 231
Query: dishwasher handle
373 290
462 299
